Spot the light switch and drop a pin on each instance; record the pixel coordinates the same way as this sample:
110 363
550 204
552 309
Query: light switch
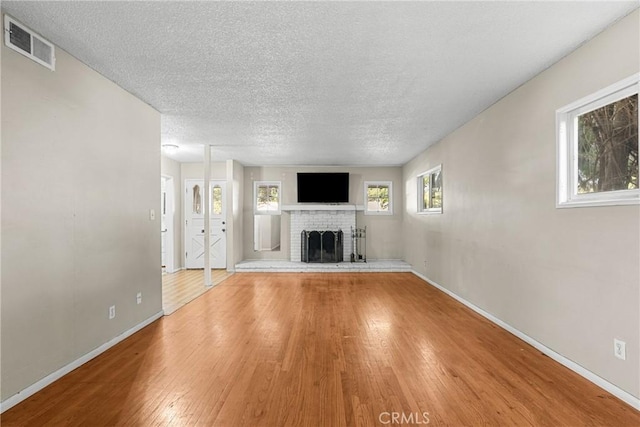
152 214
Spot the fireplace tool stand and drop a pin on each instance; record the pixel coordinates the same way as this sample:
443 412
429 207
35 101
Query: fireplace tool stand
359 244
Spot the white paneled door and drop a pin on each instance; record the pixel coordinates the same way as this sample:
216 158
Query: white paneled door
194 224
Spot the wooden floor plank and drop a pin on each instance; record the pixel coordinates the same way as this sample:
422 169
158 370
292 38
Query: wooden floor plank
287 349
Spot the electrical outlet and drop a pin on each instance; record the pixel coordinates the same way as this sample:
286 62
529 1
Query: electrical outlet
139 298
620 349
112 312
152 214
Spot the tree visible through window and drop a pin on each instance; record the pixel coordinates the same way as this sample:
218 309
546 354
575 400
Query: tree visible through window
608 147
436 190
378 197
430 191
216 200
267 197
597 143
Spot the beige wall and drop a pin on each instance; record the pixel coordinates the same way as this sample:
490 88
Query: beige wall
384 232
80 172
196 171
169 167
569 278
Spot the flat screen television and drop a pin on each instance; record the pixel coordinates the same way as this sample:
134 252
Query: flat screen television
331 187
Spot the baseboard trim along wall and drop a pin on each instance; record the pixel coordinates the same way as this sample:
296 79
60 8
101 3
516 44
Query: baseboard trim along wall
597 380
34 388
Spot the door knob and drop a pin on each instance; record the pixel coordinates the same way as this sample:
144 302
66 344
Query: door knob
223 223
203 230
223 230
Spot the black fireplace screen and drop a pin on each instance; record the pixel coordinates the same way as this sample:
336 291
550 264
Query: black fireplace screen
321 246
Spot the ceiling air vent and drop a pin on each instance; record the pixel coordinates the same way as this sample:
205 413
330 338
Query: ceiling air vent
23 40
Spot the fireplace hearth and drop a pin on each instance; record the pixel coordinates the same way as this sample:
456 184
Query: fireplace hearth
321 246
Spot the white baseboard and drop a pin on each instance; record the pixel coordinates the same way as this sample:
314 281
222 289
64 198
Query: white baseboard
34 388
580 370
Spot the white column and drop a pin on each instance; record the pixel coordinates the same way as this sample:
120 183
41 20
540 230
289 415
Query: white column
207 216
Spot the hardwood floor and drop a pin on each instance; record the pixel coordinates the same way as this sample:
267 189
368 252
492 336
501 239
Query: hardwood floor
322 350
184 286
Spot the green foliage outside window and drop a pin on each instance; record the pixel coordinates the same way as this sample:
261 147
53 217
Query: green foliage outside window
426 184
436 190
216 199
268 197
432 190
378 198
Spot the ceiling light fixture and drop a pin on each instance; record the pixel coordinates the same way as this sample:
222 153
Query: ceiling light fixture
170 148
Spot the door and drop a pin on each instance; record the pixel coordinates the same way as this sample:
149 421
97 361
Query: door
194 224
167 228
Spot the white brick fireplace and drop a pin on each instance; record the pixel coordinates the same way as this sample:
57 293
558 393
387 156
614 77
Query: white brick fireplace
321 218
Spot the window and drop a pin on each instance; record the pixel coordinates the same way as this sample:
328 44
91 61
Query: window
377 198
216 200
197 200
430 191
266 196
597 143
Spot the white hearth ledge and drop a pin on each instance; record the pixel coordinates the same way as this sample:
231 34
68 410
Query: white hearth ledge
322 207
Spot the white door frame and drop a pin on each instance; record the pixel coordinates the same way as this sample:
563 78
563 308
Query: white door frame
170 208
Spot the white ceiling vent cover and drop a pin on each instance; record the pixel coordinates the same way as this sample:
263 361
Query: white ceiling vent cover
24 41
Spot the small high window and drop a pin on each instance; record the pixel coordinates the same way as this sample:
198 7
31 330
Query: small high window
378 198
597 145
266 197
430 191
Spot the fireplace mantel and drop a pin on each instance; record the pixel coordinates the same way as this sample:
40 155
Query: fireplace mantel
321 207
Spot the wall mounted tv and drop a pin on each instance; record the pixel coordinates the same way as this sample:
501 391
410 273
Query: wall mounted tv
323 187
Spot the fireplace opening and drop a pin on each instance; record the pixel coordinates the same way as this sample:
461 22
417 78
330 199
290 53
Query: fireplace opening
321 246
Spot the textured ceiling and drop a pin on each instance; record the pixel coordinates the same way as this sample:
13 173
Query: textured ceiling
330 83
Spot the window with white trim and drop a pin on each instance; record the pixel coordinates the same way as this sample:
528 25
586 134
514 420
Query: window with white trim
430 191
378 198
597 148
266 197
